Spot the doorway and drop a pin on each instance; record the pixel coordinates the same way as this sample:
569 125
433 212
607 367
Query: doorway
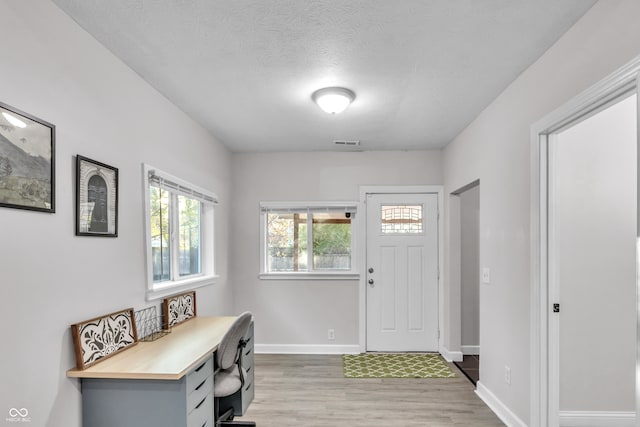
466 201
574 217
401 284
592 233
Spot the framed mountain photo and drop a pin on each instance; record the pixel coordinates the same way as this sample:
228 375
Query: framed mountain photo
27 161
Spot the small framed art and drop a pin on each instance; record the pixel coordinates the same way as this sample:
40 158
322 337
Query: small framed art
27 161
96 198
178 308
96 339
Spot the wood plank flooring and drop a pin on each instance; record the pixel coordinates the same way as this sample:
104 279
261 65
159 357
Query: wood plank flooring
310 390
470 366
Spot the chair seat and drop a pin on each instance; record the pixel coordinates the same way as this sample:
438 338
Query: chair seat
227 382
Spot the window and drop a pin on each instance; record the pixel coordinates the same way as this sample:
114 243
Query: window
179 238
401 219
314 239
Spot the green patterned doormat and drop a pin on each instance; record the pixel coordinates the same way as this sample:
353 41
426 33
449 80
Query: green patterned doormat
395 365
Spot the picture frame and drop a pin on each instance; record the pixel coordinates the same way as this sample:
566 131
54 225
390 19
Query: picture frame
102 337
96 198
27 161
178 308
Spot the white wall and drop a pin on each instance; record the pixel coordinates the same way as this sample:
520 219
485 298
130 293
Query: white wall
594 265
49 278
299 312
54 70
495 148
470 266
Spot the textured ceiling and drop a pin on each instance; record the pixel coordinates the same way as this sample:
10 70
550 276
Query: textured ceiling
422 70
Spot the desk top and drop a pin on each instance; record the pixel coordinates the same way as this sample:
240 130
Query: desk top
167 358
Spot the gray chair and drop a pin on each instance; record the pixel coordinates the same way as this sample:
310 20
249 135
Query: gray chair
229 378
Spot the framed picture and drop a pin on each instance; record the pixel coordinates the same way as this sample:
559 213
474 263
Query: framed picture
96 198
96 339
27 161
178 308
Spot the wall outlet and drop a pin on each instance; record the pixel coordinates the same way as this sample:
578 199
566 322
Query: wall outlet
486 275
507 375
331 334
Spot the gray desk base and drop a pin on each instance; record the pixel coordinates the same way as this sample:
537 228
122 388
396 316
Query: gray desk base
140 403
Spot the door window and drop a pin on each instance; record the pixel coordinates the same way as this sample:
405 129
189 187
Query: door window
401 219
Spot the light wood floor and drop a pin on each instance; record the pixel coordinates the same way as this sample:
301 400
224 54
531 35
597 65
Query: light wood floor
301 391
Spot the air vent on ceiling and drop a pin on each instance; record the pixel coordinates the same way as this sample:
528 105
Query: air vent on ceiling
346 143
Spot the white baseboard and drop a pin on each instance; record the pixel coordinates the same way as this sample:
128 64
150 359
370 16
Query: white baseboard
306 349
499 408
451 356
470 350
597 419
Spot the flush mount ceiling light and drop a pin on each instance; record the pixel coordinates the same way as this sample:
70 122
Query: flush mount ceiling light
333 100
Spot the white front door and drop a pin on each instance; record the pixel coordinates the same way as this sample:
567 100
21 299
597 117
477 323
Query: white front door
402 272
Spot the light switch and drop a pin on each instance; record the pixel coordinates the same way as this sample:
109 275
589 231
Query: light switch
486 275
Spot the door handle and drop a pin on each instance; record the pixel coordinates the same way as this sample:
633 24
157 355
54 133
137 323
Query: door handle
371 282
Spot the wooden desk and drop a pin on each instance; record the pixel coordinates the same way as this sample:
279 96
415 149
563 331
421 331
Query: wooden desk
167 382
168 358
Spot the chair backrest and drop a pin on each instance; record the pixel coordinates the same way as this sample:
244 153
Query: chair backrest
228 347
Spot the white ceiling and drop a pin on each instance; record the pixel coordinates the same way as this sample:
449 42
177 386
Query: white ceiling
422 70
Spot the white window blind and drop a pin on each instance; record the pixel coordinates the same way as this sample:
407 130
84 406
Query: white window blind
310 207
186 190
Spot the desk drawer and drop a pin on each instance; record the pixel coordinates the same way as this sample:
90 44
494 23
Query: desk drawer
199 373
247 352
248 392
202 414
247 357
249 377
200 391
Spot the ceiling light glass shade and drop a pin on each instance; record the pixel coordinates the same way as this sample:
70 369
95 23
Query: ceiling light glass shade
333 100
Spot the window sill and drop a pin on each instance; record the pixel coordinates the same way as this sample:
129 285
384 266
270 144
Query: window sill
169 288
309 276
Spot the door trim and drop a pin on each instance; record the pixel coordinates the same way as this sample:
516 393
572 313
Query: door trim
362 245
543 376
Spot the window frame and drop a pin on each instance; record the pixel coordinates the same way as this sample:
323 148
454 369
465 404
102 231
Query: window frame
207 275
310 208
